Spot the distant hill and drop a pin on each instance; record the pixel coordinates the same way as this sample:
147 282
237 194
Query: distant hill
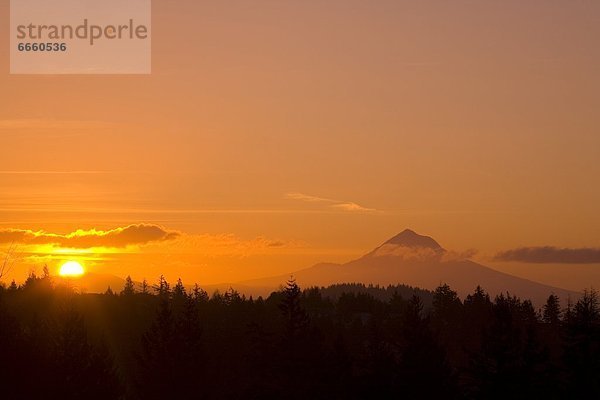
94 283
406 259
415 260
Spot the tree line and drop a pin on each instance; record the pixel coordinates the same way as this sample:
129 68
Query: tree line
344 341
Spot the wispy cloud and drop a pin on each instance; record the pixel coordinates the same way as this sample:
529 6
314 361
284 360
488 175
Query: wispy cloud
351 207
338 204
308 198
138 234
551 255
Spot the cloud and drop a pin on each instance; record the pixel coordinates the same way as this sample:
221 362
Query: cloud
137 234
408 253
152 237
338 204
423 253
459 255
351 207
308 198
551 255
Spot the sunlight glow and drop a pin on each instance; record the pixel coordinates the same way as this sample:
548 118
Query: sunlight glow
71 269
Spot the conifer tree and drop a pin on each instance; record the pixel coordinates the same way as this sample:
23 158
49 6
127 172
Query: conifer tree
295 318
157 358
551 311
198 294
145 286
129 288
446 307
582 347
163 289
83 370
179 289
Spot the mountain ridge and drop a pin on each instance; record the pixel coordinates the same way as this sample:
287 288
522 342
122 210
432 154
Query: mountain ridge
419 261
409 238
407 258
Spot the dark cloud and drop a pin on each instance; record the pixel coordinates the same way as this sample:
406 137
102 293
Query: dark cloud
138 234
551 255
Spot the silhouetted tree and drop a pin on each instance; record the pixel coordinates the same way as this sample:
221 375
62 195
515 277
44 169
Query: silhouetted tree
295 318
446 316
297 346
511 360
198 294
190 362
145 286
587 309
157 358
421 358
477 309
14 356
345 341
582 347
445 302
38 284
82 370
163 289
129 288
179 289
8 261
380 374
551 314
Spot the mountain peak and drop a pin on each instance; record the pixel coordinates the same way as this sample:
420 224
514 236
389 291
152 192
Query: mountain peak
409 238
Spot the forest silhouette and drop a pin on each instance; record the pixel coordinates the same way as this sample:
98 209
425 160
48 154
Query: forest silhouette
344 341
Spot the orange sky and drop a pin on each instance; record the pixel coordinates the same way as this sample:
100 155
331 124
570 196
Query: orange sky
272 135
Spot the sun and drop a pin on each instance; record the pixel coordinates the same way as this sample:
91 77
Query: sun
71 269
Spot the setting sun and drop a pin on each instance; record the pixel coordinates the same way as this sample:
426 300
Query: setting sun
71 269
